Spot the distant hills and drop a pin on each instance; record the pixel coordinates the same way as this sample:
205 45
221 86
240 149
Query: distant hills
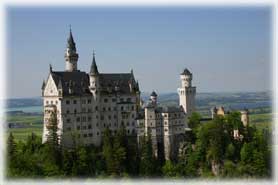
204 101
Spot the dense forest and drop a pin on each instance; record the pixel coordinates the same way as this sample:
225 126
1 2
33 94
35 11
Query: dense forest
209 151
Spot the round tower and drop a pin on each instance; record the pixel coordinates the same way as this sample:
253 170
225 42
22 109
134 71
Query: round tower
245 117
71 56
153 98
187 92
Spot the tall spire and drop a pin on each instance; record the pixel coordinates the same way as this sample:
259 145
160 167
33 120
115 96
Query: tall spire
71 43
71 56
94 69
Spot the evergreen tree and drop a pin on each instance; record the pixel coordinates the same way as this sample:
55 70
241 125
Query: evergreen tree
52 147
147 162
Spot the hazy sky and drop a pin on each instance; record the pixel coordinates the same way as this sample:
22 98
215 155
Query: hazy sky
226 48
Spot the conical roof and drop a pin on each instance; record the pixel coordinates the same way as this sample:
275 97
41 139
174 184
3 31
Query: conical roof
94 69
186 72
71 43
154 94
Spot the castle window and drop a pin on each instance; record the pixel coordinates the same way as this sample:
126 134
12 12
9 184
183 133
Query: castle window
97 124
121 99
56 102
123 123
84 127
115 116
102 117
115 108
83 101
105 100
128 131
89 110
78 119
89 101
133 131
96 108
165 123
109 117
85 135
67 102
97 116
133 123
113 99
89 118
83 118
132 115
115 124
90 135
68 120
129 99
75 111
46 102
69 129
103 109
68 111
127 123
97 133
74 101
51 102
122 108
89 126
78 127
132 107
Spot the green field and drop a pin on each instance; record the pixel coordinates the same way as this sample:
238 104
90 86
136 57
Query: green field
23 133
33 123
261 121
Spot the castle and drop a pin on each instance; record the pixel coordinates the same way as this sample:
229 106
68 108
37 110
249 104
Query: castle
88 103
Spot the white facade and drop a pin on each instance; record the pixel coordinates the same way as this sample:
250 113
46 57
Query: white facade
88 103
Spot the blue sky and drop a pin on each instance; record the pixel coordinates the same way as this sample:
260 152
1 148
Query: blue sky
226 48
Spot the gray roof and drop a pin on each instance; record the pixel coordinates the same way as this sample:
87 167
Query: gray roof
186 72
76 83
154 94
168 109
117 83
72 83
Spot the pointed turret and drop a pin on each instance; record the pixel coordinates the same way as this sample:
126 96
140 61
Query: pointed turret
71 43
50 68
94 70
43 84
71 56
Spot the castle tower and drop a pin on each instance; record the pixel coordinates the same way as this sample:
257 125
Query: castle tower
94 77
187 92
245 117
150 126
153 98
71 56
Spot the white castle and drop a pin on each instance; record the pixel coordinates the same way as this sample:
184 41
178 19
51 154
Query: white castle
88 103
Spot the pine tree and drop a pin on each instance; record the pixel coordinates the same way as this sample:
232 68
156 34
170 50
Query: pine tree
147 163
52 144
